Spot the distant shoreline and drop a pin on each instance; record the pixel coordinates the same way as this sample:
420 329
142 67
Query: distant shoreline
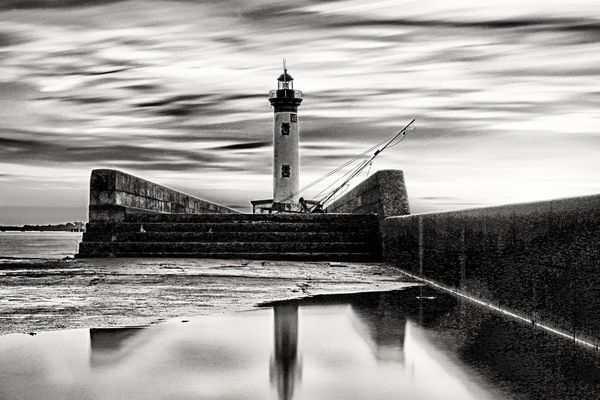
67 227
34 231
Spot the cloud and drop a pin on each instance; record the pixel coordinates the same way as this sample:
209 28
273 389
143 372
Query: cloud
177 166
28 150
83 99
168 101
143 87
29 4
243 146
438 198
241 96
268 11
574 25
106 71
11 38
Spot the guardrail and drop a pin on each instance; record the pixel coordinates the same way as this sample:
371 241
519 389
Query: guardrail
285 93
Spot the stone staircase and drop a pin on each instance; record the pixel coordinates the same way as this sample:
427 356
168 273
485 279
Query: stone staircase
306 237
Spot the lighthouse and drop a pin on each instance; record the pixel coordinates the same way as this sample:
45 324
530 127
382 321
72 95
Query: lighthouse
286 160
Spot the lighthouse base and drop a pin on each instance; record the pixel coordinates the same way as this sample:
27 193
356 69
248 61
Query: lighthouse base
285 207
269 206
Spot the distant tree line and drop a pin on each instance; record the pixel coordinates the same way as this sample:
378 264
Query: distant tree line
68 227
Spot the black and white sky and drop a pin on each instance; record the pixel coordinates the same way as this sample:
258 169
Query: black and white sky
506 96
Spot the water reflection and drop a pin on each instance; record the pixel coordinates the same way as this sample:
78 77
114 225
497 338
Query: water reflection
381 322
409 344
285 368
111 344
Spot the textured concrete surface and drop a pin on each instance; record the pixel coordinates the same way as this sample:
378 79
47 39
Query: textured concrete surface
540 259
307 237
383 193
49 295
114 193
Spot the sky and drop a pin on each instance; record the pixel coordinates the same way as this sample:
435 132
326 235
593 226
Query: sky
506 97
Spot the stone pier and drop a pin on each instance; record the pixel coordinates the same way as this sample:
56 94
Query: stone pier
540 259
115 194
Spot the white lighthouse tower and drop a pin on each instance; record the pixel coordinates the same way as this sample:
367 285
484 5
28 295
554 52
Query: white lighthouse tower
286 161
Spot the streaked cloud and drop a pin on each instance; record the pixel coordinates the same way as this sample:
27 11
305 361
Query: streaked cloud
505 95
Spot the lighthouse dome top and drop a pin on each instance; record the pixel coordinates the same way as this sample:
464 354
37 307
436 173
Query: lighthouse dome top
285 77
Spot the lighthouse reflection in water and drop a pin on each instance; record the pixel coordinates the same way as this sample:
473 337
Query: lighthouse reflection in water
285 369
408 344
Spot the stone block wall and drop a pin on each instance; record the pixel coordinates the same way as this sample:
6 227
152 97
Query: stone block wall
540 259
114 193
383 193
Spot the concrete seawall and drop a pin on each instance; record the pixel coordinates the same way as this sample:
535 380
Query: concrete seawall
113 194
383 193
540 259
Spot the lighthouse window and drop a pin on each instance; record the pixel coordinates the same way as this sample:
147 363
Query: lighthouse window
285 171
285 128
294 118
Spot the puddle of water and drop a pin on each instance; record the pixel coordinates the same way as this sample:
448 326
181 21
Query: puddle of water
409 344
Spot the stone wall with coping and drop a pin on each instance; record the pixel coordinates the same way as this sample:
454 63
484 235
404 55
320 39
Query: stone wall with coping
383 193
539 259
113 194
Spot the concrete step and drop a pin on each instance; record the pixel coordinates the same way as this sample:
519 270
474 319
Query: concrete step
290 256
370 236
237 218
333 237
86 248
256 226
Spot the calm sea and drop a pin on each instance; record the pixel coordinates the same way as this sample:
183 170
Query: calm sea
38 244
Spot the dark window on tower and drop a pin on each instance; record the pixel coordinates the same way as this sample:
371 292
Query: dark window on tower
294 118
285 171
285 128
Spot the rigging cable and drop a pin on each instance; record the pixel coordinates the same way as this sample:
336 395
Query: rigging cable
359 166
350 171
349 162
402 132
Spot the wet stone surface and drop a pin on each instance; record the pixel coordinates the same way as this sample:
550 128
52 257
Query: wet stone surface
48 295
414 343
